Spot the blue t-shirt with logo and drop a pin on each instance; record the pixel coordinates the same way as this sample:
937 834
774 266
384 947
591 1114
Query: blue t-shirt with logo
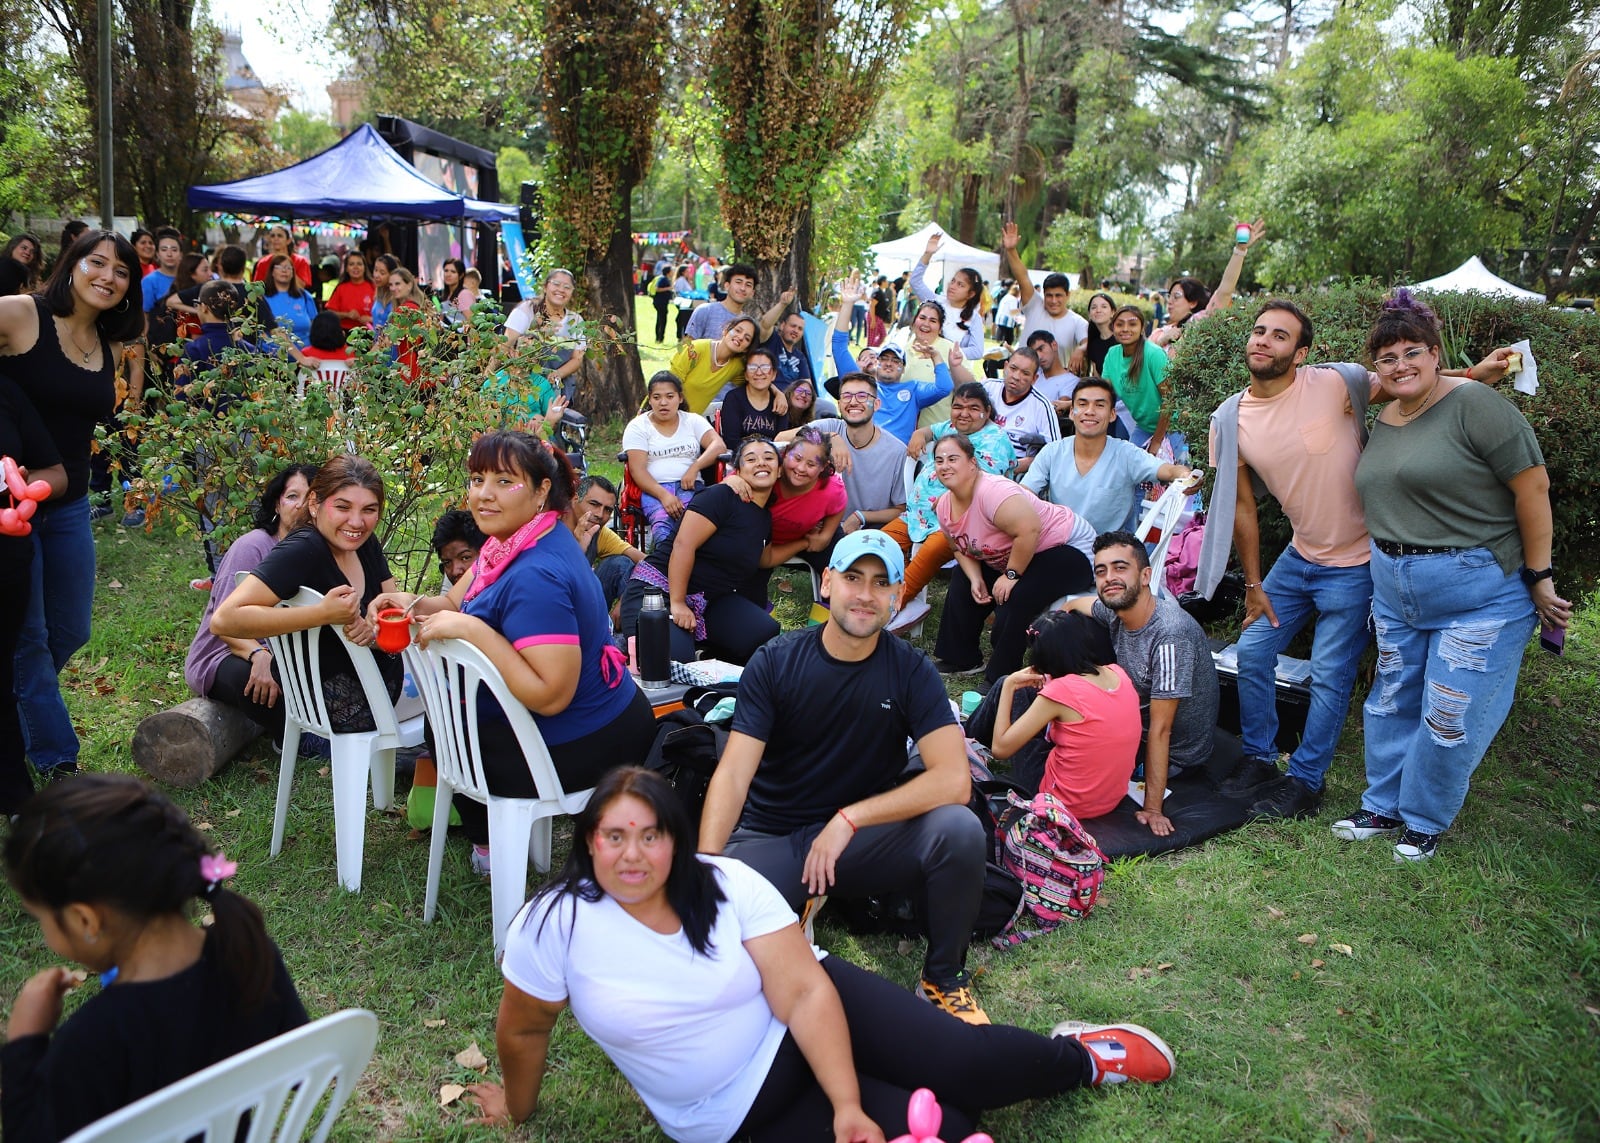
547 595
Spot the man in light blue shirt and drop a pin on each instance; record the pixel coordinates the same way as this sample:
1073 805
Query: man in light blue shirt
1095 475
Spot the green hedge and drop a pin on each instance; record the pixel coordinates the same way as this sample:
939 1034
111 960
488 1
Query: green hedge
1565 413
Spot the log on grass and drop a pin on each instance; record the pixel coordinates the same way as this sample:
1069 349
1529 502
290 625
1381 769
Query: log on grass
189 743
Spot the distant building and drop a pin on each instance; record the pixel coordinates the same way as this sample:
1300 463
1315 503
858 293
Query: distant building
248 96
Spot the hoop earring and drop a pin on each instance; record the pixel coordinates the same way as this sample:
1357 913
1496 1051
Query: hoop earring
123 308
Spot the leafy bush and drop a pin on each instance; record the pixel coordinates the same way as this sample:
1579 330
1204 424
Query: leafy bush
1565 414
187 462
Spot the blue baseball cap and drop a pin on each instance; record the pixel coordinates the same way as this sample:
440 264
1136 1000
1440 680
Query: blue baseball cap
869 542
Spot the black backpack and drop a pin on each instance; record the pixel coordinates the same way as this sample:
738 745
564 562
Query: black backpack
687 747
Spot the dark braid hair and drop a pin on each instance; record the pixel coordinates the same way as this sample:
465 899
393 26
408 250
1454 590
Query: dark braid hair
111 840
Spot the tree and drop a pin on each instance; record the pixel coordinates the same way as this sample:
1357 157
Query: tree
41 140
298 135
169 112
602 75
795 81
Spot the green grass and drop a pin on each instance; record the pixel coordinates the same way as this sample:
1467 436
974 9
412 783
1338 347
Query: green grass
1466 1008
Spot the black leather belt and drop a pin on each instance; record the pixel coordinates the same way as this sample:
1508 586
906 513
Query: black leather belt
1390 548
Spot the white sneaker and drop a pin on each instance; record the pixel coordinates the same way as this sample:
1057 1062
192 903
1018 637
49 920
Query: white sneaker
479 857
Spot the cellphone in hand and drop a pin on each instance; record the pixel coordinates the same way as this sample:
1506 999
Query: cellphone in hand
1553 639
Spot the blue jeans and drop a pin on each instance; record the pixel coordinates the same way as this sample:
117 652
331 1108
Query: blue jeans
661 524
1451 632
613 573
56 626
1340 600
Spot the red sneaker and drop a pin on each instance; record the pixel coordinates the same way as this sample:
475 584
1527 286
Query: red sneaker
1122 1052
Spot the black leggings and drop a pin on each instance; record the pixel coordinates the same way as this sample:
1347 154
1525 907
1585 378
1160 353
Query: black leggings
624 741
227 687
735 626
16 577
1051 573
901 1043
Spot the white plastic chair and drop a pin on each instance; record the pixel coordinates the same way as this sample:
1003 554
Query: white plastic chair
452 674
279 1084
1163 518
330 373
355 755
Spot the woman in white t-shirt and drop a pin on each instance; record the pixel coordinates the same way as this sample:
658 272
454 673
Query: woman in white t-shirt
694 977
667 449
559 330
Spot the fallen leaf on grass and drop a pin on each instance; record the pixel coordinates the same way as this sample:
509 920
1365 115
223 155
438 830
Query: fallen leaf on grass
416 835
234 813
114 585
202 825
1137 971
1163 967
903 948
1307 938
1318 963
1296 975
433 1023
449 1093
1590 808
472 1057
1275 914
322 773
1337 947
1591 1010
1555 701
1344 1011
104 686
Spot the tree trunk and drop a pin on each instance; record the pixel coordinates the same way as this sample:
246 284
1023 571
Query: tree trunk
967 220
1580 238
790 272
613 382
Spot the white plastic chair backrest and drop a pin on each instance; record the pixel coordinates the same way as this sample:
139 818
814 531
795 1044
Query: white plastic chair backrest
280 1084
299 658
450 674
333 373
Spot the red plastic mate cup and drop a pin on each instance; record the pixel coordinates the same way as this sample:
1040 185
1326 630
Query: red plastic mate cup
394 630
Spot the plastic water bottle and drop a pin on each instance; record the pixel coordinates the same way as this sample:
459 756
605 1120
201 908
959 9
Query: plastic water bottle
655 643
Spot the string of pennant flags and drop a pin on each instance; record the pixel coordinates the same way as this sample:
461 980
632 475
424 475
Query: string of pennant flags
658 237
301 227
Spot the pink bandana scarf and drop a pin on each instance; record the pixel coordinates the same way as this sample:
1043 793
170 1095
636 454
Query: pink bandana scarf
496 555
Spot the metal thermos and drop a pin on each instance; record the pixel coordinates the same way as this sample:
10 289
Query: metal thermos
654 643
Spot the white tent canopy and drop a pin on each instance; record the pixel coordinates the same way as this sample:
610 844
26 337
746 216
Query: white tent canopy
1473 277
899 255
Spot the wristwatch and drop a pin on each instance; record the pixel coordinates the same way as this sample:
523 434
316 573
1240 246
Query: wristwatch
1531 577
1013 574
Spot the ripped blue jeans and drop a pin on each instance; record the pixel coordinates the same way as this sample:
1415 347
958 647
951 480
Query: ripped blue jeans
1451 629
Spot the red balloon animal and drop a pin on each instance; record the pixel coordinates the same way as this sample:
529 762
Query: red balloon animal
25 499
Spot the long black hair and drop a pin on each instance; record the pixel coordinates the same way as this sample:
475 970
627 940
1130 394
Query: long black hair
1069 643
266 517
122 322
692 889
111 840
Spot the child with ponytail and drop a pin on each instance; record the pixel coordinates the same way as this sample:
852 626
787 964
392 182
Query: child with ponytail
110 869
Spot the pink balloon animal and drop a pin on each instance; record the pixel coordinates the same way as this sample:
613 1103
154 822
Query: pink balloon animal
924 1116
25 499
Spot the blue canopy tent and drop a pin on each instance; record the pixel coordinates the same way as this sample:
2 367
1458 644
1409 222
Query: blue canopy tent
360 176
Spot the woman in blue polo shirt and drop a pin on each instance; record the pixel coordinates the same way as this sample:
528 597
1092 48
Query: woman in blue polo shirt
532 605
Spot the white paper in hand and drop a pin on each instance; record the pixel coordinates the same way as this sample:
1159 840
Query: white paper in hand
1526 381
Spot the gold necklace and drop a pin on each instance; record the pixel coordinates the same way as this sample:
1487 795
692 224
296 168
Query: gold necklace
1414 412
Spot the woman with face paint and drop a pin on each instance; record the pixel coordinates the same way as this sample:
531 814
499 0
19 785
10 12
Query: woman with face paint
61 346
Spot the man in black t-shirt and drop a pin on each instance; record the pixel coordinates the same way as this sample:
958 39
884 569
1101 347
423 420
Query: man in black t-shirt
818 811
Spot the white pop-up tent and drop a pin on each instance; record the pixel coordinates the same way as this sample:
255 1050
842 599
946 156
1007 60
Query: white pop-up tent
900 254
1473 277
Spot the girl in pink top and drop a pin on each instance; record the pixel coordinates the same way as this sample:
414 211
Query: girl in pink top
1087 707
807 502
1018 554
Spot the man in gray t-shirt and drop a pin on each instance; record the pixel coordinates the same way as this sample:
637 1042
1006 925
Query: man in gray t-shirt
1166 655
870 460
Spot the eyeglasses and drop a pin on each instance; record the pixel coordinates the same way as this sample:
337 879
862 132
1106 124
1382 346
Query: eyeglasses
1389 362
759 370
855 398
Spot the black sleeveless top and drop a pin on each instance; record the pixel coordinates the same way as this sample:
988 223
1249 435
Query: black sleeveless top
70 399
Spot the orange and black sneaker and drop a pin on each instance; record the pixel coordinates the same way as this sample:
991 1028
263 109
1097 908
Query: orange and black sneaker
955 999
1121 1052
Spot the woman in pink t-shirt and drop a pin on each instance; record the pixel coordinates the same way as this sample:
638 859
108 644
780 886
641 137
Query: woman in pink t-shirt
807 502
1087 707
1019 555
